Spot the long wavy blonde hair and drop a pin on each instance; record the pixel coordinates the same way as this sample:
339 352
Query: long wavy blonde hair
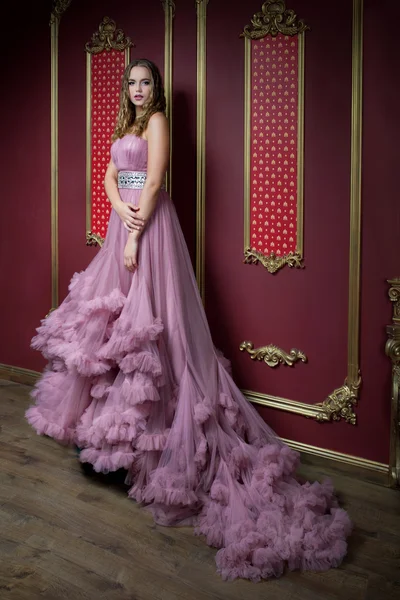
126 119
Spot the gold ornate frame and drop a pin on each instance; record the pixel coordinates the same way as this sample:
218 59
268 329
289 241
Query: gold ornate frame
270 22
107 36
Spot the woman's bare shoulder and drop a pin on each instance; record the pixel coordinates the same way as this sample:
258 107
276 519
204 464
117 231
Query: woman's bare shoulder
158 120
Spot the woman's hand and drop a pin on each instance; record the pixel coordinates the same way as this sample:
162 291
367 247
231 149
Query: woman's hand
131 251
129 217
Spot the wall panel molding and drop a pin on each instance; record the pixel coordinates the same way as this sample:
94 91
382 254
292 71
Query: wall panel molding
59 7
341 402
169 10
201 7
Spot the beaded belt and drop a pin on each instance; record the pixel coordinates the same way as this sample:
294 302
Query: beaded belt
133 180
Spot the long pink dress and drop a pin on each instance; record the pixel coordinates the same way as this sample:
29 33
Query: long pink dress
134 380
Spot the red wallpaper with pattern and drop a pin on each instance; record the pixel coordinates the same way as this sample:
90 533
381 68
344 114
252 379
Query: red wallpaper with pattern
107 69
274 132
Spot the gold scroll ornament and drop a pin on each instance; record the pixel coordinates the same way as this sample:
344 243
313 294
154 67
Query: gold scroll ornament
274 18
272 355
108 37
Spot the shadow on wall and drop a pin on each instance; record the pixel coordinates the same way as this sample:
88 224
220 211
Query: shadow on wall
184 168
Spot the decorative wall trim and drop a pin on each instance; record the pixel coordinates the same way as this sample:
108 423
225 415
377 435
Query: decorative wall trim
92 239
380 469
59 7
272 355
201 6
274 18
274 194
340 403
169 10
392 350
18 374
108 37
272 262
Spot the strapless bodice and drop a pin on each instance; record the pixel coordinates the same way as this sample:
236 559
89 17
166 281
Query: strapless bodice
130 153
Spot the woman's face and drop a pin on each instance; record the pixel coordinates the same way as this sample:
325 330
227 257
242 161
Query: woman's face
140 87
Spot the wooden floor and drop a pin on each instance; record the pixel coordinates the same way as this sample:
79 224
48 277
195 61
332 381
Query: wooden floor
67 535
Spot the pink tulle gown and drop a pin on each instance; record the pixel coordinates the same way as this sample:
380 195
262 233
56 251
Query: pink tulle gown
134 380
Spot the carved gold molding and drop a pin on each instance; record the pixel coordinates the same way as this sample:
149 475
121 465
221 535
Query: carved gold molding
273 19
392 350
337 406
59 8
201 9
272 262
394 295
169 10
341 402
272 355
108 37
93 239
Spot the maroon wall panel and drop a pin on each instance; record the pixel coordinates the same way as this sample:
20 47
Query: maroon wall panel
184 121
305 309
380 219
25 256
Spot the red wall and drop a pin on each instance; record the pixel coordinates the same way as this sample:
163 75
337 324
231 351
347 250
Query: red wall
184 122
305 309
25 255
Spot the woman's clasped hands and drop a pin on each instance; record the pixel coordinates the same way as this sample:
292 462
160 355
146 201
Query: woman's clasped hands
134 223
128 213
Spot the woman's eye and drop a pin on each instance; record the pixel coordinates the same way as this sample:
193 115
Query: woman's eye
131 82
146 82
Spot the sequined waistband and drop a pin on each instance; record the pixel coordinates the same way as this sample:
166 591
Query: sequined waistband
133 180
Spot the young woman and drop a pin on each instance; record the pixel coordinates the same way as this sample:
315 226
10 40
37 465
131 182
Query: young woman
135 381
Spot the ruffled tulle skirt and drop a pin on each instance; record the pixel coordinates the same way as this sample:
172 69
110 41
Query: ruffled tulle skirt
134 379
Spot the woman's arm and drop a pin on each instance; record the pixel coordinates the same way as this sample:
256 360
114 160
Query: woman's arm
157 162
157 135
126 212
